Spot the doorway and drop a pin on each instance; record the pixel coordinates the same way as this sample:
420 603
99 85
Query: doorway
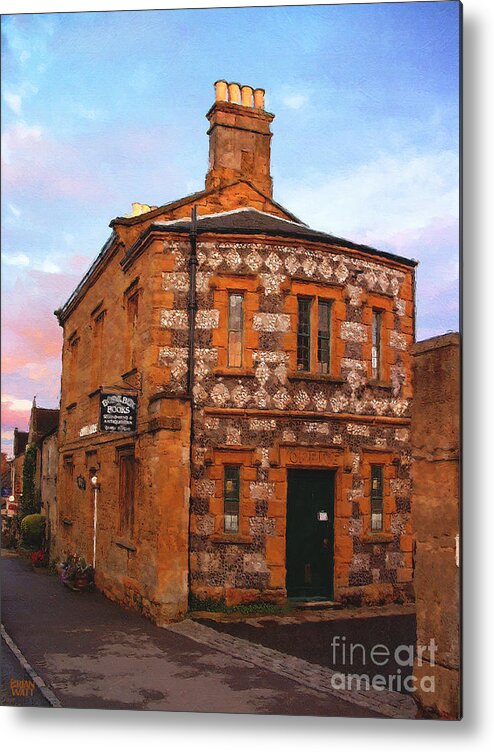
310 534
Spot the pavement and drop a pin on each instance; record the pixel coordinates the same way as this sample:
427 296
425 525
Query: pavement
92 653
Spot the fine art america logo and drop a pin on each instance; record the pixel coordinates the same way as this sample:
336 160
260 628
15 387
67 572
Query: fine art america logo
347 654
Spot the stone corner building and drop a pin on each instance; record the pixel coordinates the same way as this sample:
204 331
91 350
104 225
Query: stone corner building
270 366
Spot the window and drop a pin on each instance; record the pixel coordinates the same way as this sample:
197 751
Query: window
97 354
232 498
376 498
376 345
68 486
323 335
132 313
73 369
235 329
303 334
126 461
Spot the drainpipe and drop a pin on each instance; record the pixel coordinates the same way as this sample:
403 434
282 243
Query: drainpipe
191 363
94 483
192 301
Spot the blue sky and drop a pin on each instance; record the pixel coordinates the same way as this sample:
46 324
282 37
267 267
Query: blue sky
102 109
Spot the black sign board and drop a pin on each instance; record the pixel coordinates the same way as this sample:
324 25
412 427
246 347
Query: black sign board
118 412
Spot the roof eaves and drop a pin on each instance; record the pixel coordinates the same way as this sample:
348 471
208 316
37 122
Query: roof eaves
61 312
310 235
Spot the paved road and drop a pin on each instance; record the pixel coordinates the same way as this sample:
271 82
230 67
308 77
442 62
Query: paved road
94 654
17 688
329 643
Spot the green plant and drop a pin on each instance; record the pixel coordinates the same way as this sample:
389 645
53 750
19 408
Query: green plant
29 501
11 532
248 609
76 566
33 530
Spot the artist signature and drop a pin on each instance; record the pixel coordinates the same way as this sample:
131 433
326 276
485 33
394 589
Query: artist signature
22 687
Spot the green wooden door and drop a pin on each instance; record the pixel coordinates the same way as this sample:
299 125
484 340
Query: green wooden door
310 534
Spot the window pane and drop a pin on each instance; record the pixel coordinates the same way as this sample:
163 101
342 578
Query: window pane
323 336
376 344
235 329
231 499
376 497
235 349
303 335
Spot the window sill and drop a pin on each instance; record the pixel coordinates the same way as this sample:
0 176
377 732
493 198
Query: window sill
123 544
236 538
380 384
310 376
378 537
233 371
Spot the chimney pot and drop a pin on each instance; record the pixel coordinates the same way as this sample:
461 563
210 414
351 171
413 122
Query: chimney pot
234 92
239 138
247 92
259 98
221 91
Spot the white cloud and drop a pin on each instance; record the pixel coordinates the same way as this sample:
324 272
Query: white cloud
378 199
15 211
14 101
17 138
49 267
25 55
15 259
21 405
295 101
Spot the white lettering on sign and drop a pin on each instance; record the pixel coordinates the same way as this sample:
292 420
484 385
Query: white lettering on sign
87 430
322 516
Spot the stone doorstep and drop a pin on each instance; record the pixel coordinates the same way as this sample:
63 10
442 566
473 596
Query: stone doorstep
316 605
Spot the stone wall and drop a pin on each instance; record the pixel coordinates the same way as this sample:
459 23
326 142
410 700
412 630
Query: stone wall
251 416
436 517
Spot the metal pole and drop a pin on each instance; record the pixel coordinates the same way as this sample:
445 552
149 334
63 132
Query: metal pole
192 300
94 481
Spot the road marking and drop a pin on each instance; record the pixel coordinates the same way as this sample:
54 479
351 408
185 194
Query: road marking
45 691
318 678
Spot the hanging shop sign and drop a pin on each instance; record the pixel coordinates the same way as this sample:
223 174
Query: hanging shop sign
118 412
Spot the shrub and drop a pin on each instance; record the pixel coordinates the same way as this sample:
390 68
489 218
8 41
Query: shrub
33 530
10 532
29 502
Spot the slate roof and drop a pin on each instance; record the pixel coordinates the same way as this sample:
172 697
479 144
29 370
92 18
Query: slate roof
250 221
46 420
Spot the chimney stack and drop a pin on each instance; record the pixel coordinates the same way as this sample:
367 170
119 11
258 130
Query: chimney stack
239 138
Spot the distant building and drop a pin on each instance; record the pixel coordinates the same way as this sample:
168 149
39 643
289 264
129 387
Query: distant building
17 464
240 386
43 423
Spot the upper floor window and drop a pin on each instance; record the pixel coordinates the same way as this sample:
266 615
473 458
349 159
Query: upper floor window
376 344
97 353
323 336
376 498
303 334
231 499
73 368
126 491
132 314
235 329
